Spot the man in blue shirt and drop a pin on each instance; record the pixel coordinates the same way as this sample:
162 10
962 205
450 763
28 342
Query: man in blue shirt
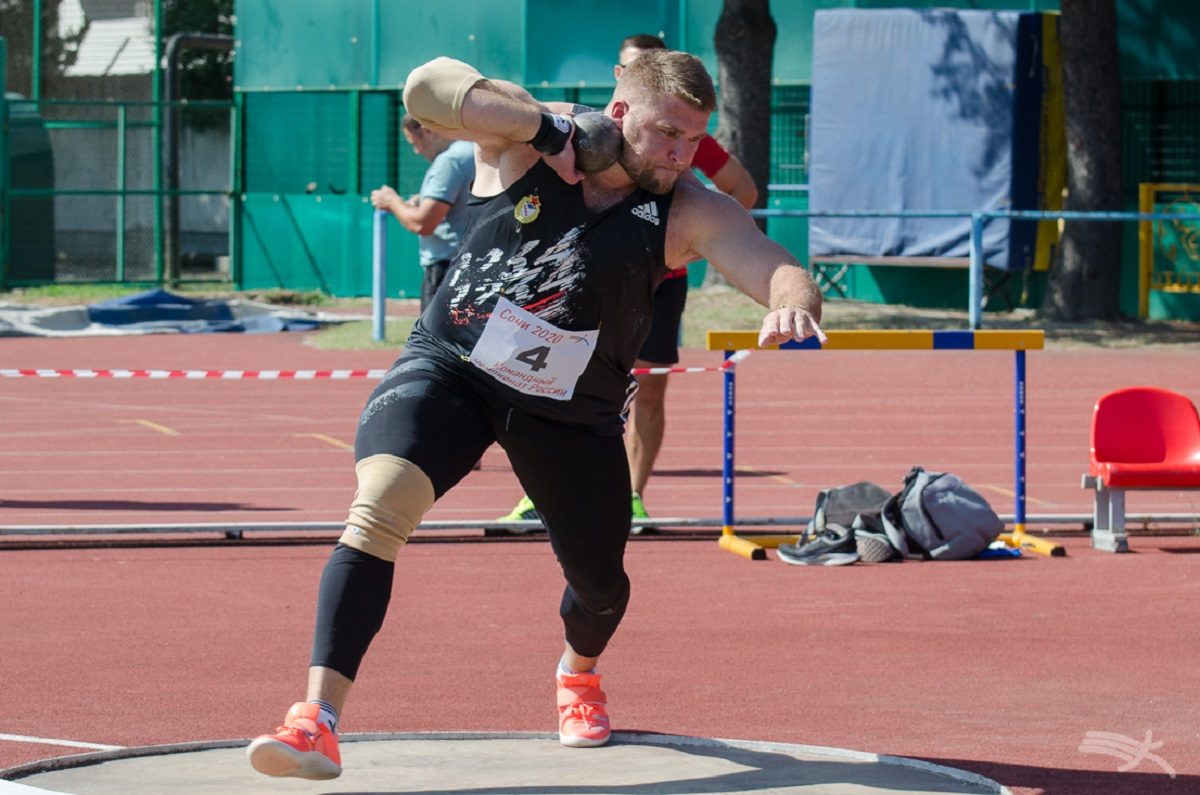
439 212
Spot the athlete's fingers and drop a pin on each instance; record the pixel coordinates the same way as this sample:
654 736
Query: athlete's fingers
813 329
771 332
789 323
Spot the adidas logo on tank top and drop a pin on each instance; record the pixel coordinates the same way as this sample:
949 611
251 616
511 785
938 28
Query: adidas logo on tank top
647 212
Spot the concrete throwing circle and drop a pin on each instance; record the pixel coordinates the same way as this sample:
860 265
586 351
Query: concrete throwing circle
489 763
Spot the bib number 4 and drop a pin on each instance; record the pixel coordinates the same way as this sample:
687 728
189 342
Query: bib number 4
535 357
524 352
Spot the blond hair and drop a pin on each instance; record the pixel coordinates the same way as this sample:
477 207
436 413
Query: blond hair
670 73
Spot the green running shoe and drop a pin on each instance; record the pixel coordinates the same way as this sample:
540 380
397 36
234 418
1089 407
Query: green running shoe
638 511
523 512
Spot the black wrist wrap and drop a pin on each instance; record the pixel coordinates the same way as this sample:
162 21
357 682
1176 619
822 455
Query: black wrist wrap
551 136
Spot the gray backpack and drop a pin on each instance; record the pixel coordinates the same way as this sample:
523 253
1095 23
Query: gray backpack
848 506
939 517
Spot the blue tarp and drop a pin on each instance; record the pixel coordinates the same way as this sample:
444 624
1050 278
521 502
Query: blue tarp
159 311
917 110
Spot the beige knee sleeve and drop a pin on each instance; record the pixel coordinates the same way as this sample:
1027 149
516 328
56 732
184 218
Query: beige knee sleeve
393 494
434 92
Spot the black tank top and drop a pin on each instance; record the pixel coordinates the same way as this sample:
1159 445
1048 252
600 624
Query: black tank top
537 246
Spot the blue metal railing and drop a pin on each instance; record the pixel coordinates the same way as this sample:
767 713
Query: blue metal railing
978 220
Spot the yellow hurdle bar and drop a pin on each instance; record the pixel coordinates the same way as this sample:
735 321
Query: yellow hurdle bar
754 547
890 340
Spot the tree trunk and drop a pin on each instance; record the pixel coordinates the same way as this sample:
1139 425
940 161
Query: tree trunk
745 44
1086 283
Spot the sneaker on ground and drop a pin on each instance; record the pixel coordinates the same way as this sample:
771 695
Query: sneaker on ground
523 511
582 711
638 511
833 546
874 547
302 747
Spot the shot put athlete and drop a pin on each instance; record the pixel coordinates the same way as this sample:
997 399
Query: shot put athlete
528 343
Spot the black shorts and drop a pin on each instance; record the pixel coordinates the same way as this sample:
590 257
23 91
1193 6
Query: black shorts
578 477
662 344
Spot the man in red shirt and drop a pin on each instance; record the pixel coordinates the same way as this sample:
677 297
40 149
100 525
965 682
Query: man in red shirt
647 420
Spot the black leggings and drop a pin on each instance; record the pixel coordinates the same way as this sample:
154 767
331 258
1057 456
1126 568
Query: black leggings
578 478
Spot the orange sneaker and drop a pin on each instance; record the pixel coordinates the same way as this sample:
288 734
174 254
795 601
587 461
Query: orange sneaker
582 711
301 747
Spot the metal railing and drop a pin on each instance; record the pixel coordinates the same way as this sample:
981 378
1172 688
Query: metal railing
978 220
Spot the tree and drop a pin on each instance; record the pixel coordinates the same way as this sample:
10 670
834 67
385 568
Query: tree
203 74
16 27
1084 284
745 44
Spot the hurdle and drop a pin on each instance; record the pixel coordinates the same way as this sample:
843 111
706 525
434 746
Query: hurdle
754 547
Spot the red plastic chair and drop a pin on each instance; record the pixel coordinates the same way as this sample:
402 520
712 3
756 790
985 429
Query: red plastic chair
1142 438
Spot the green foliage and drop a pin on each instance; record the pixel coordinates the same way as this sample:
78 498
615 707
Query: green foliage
282 297
16 27
203 74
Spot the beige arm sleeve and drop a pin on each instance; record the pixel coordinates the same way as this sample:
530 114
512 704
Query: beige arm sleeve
434 92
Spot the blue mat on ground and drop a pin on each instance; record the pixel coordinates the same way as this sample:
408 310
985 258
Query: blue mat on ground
161 309
157 312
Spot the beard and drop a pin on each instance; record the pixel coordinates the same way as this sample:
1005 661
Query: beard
644 174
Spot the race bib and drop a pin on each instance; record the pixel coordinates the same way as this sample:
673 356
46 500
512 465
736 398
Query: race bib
524 352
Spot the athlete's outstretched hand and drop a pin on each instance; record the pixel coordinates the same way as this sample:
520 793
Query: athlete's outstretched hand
789 323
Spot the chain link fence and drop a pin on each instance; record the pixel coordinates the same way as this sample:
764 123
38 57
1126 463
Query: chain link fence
86 171
83 195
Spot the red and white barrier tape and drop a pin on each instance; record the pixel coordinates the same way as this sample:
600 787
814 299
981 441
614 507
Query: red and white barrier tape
225 375
296 375
738 356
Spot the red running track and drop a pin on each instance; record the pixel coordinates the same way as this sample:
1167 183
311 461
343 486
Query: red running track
1022 658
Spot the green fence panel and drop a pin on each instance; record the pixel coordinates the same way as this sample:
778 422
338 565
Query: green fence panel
1159 39
298 241
488 34
4 165
30 219
305 44
594 30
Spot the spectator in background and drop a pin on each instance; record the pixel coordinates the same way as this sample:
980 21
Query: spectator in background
647 422
439 212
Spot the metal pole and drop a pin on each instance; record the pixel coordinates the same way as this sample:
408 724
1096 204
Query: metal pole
157 166
1019 441
5 201
175 46
976 276
121 146
35 79
379 278
375 43
235 187
727 464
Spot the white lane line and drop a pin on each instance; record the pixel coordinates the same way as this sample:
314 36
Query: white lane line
22 738
13 788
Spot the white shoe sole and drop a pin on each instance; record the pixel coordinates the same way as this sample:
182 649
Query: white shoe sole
828 559
582 742
273 758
